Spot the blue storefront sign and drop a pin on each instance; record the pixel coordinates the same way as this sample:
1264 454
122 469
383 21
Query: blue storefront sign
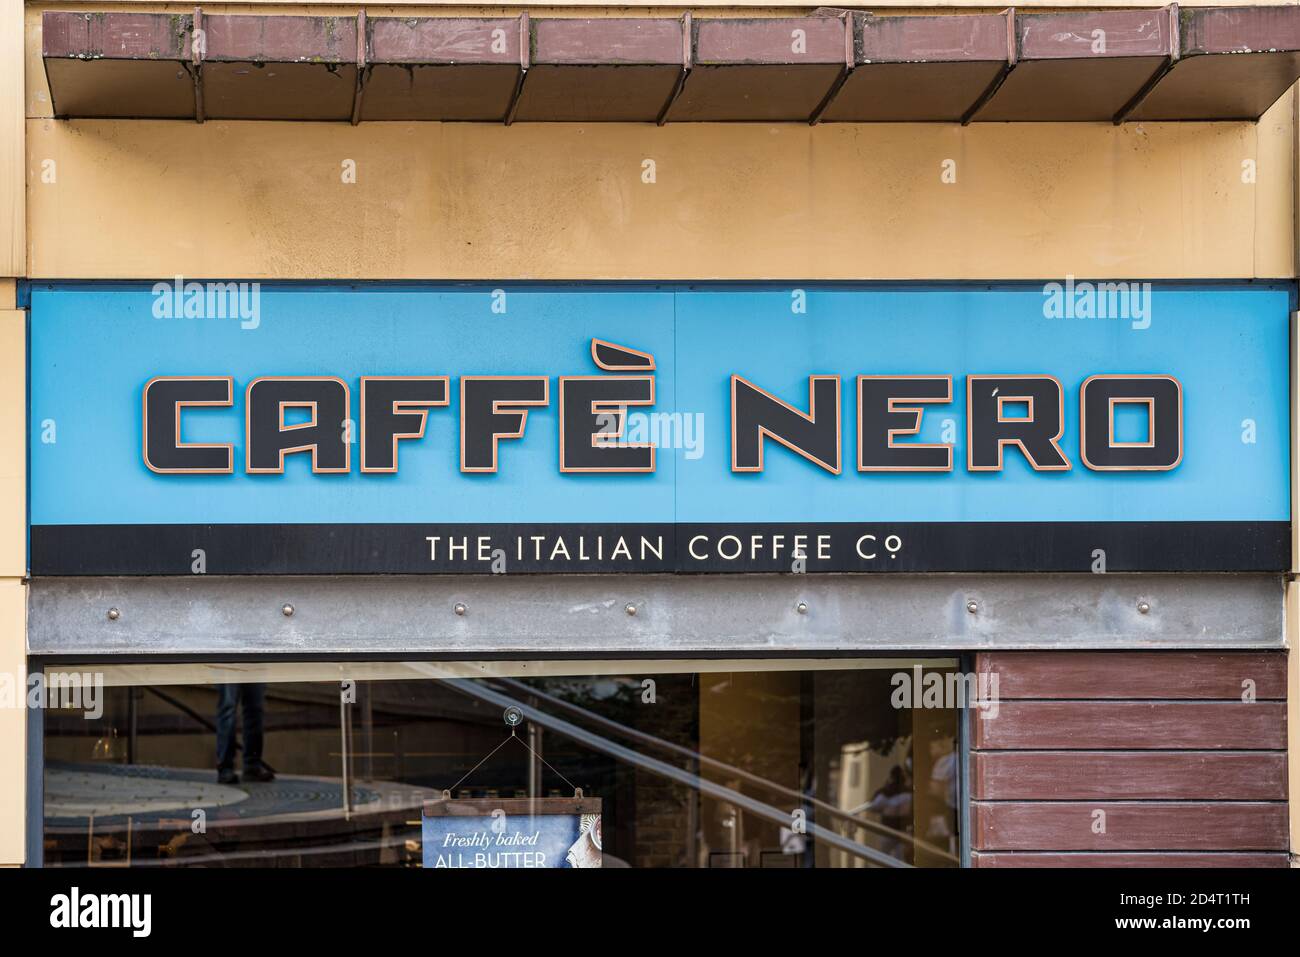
242 428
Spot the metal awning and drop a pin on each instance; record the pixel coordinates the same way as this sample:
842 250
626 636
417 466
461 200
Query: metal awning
1169 63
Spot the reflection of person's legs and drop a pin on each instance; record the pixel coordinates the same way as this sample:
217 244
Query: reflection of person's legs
227 700
254 703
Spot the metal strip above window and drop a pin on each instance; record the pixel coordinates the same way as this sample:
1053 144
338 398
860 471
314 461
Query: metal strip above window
627 616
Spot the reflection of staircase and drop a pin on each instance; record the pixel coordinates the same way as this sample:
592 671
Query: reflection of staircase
291 821
531 701
853 825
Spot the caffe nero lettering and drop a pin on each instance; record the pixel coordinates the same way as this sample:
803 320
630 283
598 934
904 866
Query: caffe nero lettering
286 415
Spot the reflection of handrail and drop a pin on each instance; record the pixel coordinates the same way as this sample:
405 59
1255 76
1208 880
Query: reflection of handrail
664 769
190 712
182 708
853 817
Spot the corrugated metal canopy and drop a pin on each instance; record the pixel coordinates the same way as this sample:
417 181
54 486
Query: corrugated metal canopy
836 66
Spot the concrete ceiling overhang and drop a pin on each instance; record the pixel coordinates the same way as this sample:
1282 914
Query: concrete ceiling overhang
1171 63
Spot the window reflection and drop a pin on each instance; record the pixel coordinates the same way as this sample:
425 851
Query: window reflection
752 767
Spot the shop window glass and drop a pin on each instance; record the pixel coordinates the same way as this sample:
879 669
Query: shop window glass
680 764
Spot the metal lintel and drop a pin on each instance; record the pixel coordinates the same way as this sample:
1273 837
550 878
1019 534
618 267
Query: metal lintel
850 60
360 90
1175 51
525 56
687 47
198 46
648 615
1193 63
996 84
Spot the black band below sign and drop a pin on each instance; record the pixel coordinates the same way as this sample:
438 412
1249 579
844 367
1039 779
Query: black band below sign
813 547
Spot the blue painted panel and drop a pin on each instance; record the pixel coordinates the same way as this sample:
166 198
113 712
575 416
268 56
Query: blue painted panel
93 346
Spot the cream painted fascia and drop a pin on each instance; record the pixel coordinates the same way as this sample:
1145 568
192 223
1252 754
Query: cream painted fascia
1276 158
13 441
13 722
154 199
13 157
13 589
267 200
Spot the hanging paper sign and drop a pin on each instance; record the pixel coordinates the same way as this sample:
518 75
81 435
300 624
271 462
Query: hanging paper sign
514 832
